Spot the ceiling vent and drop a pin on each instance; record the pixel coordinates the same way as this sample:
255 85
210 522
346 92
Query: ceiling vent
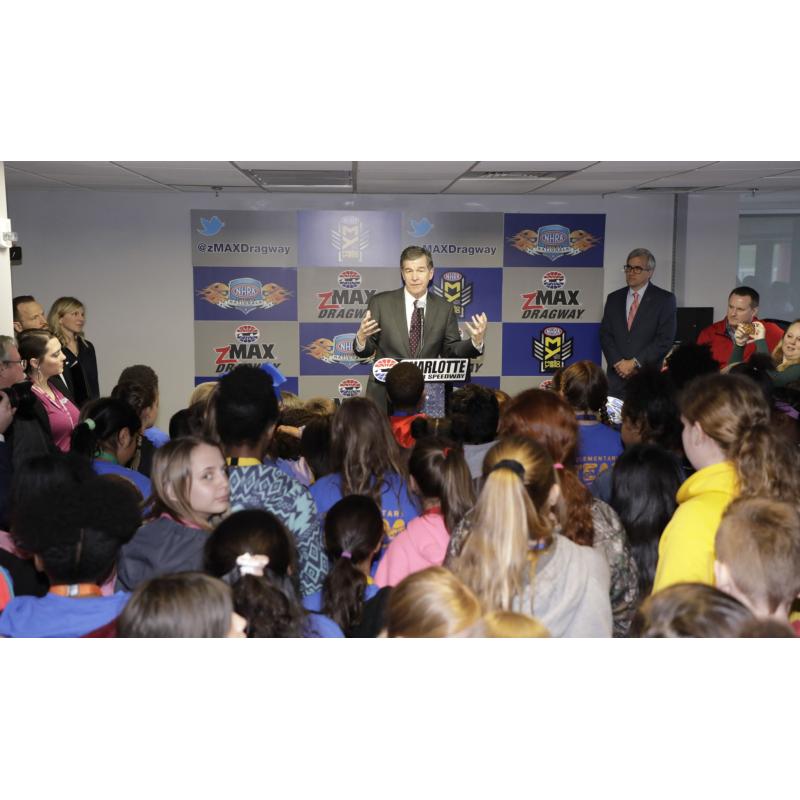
520 175
282 179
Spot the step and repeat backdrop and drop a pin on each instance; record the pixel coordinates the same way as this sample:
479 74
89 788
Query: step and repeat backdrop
289 288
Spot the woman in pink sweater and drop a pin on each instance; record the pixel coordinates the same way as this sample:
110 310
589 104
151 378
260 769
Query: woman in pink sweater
441 477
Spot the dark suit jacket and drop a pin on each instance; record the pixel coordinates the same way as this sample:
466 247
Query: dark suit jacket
440 335
650 337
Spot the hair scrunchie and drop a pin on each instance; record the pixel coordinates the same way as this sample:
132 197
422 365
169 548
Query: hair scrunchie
90 423
347 554
510 463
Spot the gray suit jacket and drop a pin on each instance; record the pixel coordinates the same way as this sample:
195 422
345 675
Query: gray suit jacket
440 335
650 337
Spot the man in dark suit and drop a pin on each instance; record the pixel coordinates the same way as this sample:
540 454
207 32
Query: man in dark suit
638 324
410 323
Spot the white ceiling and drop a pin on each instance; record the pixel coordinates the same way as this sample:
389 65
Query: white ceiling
414 177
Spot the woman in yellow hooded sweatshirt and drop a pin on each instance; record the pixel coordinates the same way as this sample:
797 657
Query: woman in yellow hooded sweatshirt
728 440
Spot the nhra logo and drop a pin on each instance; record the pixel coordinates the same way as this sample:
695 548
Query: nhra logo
381 367
244 294
552 349
350 239
349 387
338 350
552 302
247 334
553 241
347 302
349 279
231 355
454 288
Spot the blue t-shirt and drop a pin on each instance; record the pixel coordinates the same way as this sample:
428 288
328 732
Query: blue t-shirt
598 449
56 616
397 504
142 482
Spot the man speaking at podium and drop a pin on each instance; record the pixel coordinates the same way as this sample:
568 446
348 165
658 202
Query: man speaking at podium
410 323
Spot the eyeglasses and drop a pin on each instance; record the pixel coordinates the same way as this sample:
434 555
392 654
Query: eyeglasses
635 270
23 362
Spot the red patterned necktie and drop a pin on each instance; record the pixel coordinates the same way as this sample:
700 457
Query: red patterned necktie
634 307
415 332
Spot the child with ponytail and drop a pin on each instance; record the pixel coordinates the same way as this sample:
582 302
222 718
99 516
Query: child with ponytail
354 532
728 440
253 552
513 556
107 435
441 478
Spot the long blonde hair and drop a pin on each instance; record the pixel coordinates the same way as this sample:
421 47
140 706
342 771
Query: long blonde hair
777 353
60 307
510 523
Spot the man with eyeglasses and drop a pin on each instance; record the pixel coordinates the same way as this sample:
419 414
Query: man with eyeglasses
639 322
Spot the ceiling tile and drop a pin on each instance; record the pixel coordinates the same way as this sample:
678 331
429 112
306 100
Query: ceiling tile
210 174
764 167
27 180
662 167
408 170
488 186
294 165
418 186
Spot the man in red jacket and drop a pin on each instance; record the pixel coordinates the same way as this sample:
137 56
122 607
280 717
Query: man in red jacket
742 307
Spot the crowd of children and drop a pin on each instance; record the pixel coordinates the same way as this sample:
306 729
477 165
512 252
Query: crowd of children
265 516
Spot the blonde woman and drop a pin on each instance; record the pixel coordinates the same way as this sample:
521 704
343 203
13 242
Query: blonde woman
66 319
786 355
513 556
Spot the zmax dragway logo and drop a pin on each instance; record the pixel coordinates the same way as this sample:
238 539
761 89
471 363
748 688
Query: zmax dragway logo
246 350
338 350
454 288
244 294
553 301
554 241
552 349
350 239
348 301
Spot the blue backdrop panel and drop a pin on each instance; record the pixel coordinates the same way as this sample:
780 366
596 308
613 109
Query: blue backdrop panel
320 342
471 291
349 238
542 240
245 293
530 349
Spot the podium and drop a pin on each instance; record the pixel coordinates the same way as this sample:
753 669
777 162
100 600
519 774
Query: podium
439 373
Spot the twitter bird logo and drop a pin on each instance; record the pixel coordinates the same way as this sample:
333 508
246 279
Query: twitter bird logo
420 228
211 227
